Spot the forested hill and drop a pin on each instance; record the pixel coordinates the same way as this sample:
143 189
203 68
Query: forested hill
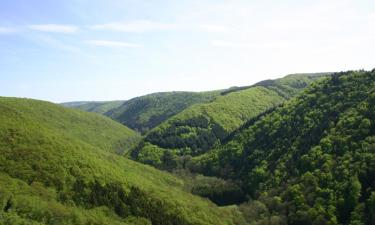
100 107
57 166
146 112
310 161
198 128
88 127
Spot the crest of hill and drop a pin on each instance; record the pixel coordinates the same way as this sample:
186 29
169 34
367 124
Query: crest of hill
146 112
309 161
100 107
57 166
198 128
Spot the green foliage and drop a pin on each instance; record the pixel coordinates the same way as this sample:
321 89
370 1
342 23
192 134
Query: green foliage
201 126
97 107
152 155
219 191
370 204
90 128
146 112
315 154
57 166
198 128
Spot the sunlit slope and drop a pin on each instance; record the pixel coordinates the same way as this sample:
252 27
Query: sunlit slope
57 166
88 127
310 161
146 112
200 127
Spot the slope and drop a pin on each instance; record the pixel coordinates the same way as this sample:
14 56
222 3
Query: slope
200 127
89 127
146 112
310 161
57 167
100 107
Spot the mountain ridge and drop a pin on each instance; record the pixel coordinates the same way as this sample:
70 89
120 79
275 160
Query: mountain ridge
198 128
310 160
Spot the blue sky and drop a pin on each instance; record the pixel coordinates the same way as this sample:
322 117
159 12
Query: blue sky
118 49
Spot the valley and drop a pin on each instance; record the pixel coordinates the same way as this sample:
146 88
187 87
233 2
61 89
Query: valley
296 150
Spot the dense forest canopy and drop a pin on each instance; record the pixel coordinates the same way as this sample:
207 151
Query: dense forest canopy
296 150
203 112
100 107
200 127
59 166
146 112
309 161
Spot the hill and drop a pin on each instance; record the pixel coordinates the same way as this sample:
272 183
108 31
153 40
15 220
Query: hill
309 161
100 107
200 127
146 112
89 127
57 166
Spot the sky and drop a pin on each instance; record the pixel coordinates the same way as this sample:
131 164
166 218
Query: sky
118 49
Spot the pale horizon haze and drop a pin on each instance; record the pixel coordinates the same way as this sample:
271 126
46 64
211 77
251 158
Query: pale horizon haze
86 50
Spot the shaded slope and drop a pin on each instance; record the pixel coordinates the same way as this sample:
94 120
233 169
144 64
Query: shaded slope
57 167
311 161
200 127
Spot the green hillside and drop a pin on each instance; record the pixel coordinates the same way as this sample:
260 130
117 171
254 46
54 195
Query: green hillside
57 167
93 106
89 127
310 161
200 127
146 112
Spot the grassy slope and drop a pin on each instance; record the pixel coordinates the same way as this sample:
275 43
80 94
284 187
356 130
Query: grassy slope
310 161
198 128
57 167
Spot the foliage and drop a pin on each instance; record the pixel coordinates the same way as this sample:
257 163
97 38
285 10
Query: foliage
97 107
309 161
198 128
220 191
146 112
57 166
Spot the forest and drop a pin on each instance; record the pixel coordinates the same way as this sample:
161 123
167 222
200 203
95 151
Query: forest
63 166
310 160
188 112
200 127
295 150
